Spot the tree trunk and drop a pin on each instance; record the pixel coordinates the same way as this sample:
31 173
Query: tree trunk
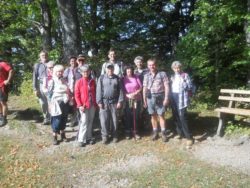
70 28
247 26
93 43
46 25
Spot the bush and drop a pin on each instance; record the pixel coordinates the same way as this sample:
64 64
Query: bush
26 86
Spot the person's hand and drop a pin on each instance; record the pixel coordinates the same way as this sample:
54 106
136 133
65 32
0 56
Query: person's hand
119 105
100 106
82 108
165 102
6 82
37 93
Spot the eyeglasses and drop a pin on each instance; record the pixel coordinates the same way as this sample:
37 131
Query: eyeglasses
50 67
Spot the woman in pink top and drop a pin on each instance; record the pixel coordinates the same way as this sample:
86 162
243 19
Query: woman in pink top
132 90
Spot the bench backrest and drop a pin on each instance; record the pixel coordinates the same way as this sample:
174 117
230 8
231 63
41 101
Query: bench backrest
233 95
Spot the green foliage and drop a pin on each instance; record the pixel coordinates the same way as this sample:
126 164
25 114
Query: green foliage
26 86
236 129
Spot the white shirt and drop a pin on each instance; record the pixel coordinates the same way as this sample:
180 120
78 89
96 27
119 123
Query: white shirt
176 82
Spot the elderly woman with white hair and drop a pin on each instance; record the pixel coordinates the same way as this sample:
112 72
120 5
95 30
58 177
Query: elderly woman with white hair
59 100
85 96
180 87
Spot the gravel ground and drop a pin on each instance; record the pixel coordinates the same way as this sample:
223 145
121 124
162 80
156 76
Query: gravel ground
233 153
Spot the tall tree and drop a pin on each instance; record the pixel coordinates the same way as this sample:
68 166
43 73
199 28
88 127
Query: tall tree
46 25
70 28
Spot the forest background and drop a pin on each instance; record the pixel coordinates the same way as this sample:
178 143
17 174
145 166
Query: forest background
210 37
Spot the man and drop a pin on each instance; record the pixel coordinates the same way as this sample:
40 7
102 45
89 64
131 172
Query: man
109 97
140 71
118 65
39 74
155 96
6 74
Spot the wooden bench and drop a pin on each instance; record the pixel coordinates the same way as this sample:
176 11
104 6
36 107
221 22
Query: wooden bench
238 104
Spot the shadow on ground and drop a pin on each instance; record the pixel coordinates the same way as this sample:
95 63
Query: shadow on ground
27 114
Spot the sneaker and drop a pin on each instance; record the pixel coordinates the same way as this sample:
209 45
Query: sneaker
164 137
177 137
104 140
55 141
63 137
81 144
127 136
154 135
115 140
189 143
137 137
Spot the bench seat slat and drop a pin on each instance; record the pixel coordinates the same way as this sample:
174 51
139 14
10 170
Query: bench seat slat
243 112
235 91
239 99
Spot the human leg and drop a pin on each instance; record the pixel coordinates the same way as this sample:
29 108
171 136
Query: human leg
91 116
105 121
113 111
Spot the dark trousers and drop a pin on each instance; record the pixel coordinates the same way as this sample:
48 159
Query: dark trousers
132 115
180 117
58 123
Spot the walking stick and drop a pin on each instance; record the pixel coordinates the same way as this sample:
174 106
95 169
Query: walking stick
134 108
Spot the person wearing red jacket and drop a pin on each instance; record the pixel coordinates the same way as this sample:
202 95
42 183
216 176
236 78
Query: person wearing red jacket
6 73
85 97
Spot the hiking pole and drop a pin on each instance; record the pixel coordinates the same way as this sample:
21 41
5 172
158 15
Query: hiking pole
134 107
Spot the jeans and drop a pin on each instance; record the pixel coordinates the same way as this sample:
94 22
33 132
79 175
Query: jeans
58 123
180 117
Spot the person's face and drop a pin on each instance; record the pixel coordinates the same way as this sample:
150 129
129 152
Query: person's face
112 56
72 62
138 63
177 69
80 62
151 66
43 57
85 74
110 71
59 74
50 69
129 72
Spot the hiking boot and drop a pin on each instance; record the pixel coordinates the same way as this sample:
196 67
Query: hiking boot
1 121
154 135
46 122
55 141
104 140
81 144
63 137
115 140
164 137
91 141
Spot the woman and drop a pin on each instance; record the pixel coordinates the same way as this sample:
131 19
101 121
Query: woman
180 88
49 72
132 89
59 95
85 96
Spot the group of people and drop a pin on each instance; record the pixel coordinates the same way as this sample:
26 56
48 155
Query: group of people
120 92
